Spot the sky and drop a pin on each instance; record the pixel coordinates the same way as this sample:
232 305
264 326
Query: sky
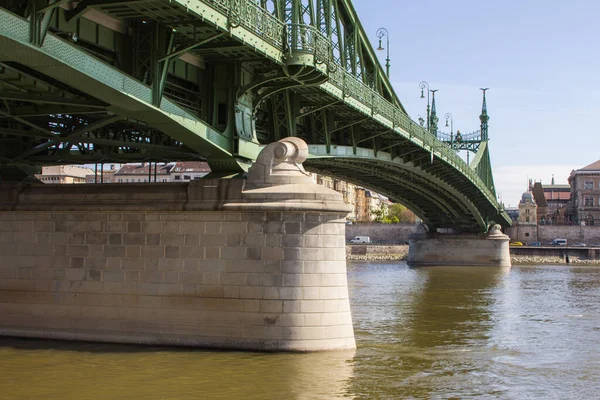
540 59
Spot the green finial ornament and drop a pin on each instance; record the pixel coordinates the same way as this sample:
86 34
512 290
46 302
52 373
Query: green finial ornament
433 118
484 117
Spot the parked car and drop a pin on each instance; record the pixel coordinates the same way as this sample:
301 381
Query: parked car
579 245
535 244
360 240
515 244
559 242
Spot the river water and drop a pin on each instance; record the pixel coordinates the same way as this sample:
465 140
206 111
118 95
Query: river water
430 333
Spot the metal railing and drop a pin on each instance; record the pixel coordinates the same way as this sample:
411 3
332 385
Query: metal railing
253 17
301 37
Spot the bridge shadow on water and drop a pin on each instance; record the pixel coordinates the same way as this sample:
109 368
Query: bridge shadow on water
51 369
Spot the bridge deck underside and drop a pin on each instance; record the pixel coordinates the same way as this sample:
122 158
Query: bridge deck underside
442 198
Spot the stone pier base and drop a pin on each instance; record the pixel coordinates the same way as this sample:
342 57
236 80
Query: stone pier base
460 249
254 264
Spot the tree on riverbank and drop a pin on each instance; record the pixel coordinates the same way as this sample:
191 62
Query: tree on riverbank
396 213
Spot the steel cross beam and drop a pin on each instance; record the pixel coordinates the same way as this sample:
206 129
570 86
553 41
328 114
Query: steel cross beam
45 99
72 135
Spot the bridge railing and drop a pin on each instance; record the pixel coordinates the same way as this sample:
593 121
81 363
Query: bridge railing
252 17
306 38
464 137
353 87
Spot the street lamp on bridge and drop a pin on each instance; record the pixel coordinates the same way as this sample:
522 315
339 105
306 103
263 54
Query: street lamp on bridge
448 116
423 85
381 32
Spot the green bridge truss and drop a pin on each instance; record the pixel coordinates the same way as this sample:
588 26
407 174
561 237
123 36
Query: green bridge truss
101 81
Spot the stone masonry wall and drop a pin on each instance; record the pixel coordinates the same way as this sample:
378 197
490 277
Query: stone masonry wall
177 278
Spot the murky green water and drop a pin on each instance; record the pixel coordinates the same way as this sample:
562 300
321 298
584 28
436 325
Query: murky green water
524 333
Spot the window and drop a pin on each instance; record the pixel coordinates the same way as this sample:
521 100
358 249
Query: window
164 180
527 234
589 220
186 177
527 212
588 201
177 177
588 185
527 219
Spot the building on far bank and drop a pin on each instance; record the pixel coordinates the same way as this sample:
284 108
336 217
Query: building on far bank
145 172
185 171
64 174
527 210
552 202
102 175
584 207
369 205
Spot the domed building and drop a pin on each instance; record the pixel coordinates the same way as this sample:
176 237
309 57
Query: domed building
527 210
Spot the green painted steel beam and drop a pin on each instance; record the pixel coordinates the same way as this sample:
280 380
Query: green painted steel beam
125 96
43 98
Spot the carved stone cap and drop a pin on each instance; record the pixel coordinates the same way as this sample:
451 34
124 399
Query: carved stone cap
495 232
278 180
280 163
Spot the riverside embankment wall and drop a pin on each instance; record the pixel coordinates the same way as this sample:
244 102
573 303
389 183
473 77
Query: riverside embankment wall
383 233
546 233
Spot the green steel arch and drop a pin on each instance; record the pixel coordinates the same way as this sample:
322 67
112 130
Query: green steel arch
152 80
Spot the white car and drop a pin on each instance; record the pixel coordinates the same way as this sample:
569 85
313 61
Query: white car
360 240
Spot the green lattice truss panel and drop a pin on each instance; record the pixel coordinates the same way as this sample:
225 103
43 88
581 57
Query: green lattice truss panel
158 80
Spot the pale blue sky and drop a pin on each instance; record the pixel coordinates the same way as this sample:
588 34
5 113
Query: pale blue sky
540 60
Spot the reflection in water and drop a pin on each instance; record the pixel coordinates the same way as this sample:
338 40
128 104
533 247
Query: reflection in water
428 333
440 316
453 307
59 370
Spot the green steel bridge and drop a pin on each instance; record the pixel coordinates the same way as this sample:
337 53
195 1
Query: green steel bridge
105 81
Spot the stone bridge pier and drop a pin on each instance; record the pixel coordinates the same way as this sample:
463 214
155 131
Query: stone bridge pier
256 263
446 249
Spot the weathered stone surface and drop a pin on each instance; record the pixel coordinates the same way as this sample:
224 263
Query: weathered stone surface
218 263
460 249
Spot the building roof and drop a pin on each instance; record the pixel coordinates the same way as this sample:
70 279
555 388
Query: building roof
539 195
143 169
191 166
557 195
595 166
527 197
565 187
552 193
75 171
